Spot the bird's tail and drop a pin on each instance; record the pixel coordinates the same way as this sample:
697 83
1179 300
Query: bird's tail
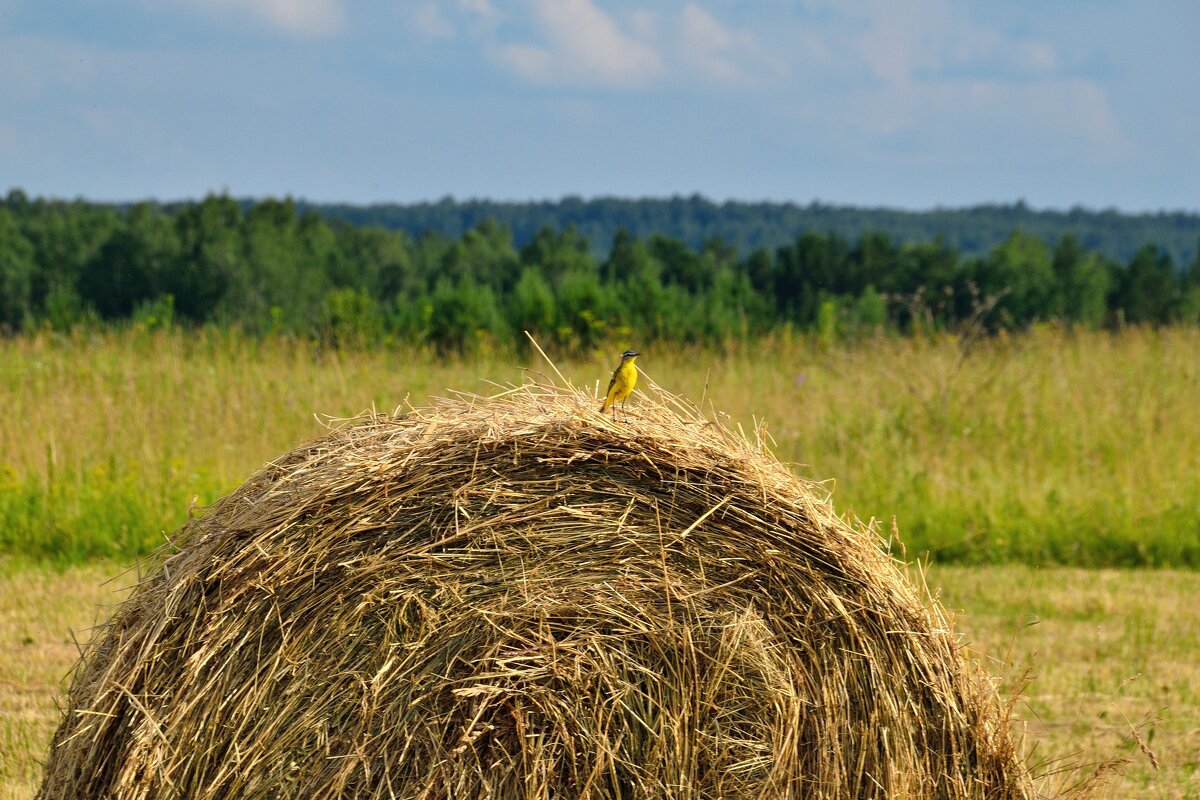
604 406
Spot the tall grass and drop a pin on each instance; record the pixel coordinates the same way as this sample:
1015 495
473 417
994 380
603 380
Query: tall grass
1051 447
1076 448
109 438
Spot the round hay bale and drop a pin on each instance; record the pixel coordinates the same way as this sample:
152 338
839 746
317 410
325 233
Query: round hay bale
514 597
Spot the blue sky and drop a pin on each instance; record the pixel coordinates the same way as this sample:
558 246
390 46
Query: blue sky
904 103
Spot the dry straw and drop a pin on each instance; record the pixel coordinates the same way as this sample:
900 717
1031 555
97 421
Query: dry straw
515 597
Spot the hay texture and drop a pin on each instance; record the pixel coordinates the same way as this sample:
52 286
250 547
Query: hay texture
516 597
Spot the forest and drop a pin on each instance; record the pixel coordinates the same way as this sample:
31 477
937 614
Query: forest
696 219
275 266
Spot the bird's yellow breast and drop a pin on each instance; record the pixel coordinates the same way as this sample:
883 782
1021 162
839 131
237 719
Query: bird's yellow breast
622 383
624 380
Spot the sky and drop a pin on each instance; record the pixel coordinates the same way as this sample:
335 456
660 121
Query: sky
901 103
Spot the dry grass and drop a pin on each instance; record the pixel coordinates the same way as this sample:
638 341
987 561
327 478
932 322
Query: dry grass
1080 444
1098 660
1111 658
516 597
42 611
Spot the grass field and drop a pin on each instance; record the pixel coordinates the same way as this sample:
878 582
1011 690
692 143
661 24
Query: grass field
1109 652
1048 448
1051 447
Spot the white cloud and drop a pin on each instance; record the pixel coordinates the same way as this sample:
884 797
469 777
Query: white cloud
482 8
969 122
702 30
1036 56
530 61
941 83
903 41
428 21
714 49
921 40
582 45
1068 114
306 18
643 24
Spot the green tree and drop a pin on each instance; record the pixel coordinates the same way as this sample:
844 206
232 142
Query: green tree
1146 289
132 267
463 316
932 266
680 266
321 254
806 270
210 260
869 310
582 310
758 269
1083 281
626 257
385 264
16 273
558 253
265 278
532 306
926 286
485 255
350 317
731 308
644 305
65 238
872 259
1019 272
1189 283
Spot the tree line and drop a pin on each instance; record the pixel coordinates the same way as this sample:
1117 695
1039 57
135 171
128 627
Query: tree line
696 219
273 267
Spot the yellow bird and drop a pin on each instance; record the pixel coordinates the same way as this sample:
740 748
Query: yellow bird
623 380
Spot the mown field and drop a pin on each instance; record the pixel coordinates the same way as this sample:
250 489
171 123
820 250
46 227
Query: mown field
1111 657
1026 468
1051 447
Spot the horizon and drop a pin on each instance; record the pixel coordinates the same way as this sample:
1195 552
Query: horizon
937 104
306 201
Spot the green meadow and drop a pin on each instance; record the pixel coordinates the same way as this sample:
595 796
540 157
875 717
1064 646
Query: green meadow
1051 447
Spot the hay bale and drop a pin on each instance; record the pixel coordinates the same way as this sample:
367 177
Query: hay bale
514 597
